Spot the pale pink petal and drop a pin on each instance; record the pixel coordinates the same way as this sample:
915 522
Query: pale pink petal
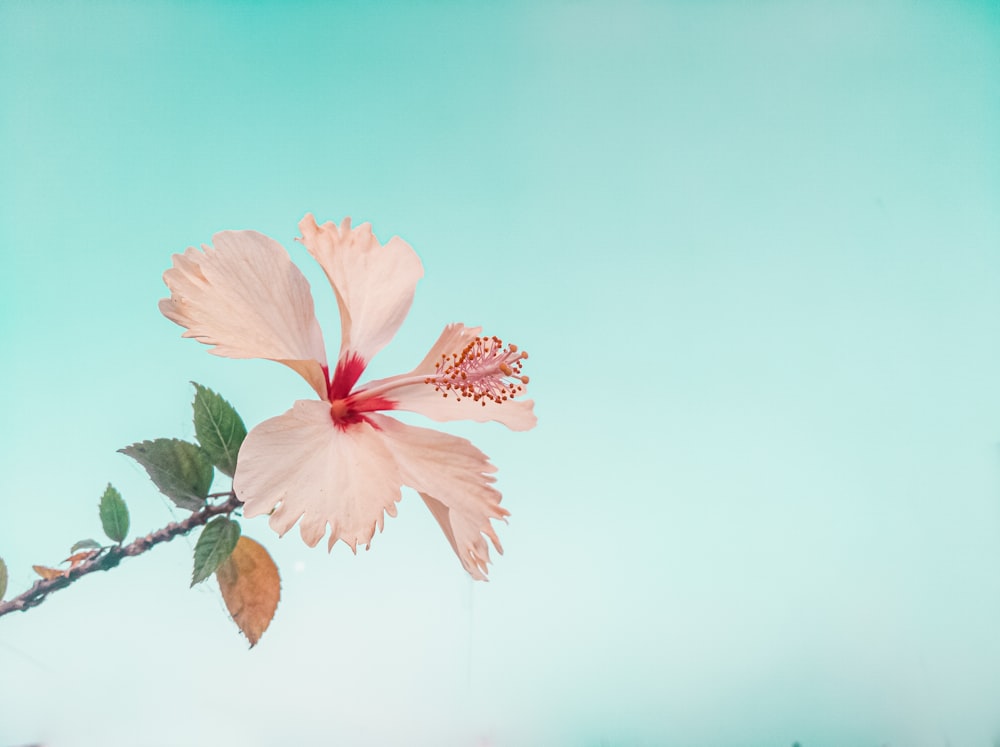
245 297
304 468
516 414
374 283
411 392
457 525
455 336
455 480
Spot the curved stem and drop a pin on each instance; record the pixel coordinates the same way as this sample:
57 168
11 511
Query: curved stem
108 559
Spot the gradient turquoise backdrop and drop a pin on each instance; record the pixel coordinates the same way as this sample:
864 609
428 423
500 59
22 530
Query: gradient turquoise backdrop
754 252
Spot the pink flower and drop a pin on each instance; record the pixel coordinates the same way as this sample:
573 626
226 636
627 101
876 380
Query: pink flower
339 461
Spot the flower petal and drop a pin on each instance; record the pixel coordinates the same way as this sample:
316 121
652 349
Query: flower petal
304 467
518 415
455 336
245 297
455 480
420 397
374 283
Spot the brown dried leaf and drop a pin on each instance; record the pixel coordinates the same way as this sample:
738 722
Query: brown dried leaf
80 557
251 587
48 573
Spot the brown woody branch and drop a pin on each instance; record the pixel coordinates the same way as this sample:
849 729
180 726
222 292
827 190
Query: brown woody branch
108 558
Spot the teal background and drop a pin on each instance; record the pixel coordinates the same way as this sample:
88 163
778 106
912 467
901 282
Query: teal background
754 252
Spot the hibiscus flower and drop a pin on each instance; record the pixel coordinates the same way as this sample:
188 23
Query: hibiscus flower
339 461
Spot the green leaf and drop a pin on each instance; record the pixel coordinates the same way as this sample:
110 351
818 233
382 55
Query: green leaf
3 578
218 427
215 544
89 544
114 516
181 470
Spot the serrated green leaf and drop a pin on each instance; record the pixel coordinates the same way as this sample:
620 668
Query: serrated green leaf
3 578
215 544
218 427
114 516
87 544
181 470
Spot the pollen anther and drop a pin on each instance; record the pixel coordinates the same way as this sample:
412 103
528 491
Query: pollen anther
483 370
